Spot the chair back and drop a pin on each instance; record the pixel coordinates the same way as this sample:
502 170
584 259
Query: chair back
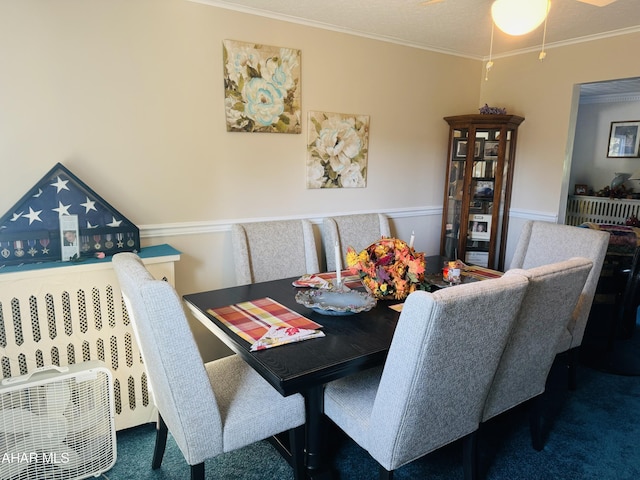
542 243
551 297
266 251
179 383
357 231
441 362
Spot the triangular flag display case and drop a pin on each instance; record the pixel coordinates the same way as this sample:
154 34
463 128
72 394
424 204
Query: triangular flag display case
30 231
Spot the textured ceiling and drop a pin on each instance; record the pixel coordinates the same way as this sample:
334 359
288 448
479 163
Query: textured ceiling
459 27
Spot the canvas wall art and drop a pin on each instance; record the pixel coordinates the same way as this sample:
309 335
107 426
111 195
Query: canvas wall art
337 150
261 88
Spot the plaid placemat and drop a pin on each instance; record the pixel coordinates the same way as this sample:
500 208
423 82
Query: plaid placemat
348 279
480 273
251 320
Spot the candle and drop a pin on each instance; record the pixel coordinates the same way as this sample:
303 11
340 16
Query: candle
413 237
338 266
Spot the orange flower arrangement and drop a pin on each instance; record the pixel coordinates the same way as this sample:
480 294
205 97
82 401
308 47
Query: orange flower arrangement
388 268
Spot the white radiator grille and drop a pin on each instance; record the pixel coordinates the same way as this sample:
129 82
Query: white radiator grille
582 209
74 314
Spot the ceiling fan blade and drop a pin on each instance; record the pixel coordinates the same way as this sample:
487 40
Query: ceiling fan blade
597 3
432 2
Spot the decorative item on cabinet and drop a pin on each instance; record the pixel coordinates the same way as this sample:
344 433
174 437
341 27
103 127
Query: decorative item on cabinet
478 186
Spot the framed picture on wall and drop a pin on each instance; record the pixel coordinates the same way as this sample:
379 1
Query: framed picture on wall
624 139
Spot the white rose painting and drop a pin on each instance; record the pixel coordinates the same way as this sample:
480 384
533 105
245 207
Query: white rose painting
261 88
337 147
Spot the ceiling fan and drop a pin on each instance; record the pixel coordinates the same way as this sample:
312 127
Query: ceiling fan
597 3
518 17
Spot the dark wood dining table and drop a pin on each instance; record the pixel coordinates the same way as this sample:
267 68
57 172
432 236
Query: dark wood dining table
352 343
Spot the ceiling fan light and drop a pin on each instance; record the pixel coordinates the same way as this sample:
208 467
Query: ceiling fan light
517 17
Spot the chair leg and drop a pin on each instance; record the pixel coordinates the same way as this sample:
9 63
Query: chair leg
572 367
296 446
535 423
197 471
385 474
161 443
470 456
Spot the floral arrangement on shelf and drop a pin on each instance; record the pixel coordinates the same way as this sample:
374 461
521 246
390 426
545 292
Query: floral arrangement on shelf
389 268
487 110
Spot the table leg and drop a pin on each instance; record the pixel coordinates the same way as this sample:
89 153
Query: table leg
317 469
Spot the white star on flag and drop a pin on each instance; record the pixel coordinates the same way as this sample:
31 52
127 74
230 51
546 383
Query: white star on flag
60 184
114 223
62 209
33 216
89 205
16 216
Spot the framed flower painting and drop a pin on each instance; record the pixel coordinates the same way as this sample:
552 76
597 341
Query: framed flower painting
337 149
261 88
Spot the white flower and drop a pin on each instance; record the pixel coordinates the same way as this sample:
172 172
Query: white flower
239 58
234 116
315 174
279 70
264 102
351 177
339 141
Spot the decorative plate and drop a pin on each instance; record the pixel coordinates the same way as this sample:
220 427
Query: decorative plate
329 302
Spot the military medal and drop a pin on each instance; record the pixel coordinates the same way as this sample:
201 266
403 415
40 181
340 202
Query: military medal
5 252
97 245
44 243
130 242
32 248
19 252
108 243
120 236
84 240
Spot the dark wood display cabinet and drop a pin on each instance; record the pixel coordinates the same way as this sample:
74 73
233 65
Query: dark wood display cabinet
477 190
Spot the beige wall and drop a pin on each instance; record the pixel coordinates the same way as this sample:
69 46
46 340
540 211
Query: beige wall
129 96
542 92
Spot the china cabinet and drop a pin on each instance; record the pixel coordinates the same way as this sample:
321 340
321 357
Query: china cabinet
477 190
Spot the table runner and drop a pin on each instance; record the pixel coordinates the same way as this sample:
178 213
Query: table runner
252 320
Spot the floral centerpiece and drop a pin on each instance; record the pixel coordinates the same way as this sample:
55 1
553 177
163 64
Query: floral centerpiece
389 268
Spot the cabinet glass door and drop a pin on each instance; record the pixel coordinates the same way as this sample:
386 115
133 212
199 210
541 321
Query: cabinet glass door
455 191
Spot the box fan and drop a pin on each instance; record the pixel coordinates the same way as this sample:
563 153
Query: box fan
57 423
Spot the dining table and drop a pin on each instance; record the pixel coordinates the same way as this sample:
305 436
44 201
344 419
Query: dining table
351 343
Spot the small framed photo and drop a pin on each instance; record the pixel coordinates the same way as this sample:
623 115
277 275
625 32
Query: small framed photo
483 189
624 139
491 149
479 148
480 227
69 237
580 189
460 148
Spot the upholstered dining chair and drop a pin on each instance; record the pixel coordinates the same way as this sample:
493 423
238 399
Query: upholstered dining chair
209 408
433 386
551 297
266 251
542 243
357 231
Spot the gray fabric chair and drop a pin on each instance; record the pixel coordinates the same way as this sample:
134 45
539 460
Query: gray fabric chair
357 231
552 295
542 243
266 251
434 384
208 408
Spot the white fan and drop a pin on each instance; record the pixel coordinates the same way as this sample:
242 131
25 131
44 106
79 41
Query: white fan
57 423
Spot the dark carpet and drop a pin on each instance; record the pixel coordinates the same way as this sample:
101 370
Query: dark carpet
591 433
